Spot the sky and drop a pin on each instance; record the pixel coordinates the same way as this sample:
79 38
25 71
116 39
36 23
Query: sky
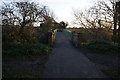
63 9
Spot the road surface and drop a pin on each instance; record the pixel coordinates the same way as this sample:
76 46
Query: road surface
68 62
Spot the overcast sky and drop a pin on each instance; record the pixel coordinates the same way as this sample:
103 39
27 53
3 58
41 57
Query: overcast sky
63 8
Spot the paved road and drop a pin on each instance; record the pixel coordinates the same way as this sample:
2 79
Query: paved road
67 62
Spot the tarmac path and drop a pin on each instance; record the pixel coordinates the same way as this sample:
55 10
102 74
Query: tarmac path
68 62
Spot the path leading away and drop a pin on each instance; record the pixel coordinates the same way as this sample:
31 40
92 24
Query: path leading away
67 62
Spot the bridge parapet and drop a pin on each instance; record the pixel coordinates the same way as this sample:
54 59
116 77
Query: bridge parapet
51 37
77 38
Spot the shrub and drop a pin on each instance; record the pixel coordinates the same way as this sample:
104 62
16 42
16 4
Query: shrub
26 49
101 46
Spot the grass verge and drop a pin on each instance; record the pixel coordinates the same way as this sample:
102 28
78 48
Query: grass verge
24 60
26 49
100 47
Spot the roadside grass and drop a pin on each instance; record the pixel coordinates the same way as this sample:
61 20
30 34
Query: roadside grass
100 47
113 73
26 49
24 60
22 71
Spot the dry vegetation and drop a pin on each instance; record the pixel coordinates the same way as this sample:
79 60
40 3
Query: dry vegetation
22 42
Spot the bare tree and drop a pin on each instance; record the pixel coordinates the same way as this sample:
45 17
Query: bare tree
118 20
25 14
103 11
80 18
100 15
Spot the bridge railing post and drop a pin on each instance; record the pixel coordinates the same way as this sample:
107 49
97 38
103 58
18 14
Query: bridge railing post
51 37
77 38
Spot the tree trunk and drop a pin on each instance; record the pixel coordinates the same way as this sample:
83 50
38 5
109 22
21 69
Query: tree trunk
115 25
118 12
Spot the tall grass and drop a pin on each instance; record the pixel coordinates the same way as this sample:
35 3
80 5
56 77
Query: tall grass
26 49
101 46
